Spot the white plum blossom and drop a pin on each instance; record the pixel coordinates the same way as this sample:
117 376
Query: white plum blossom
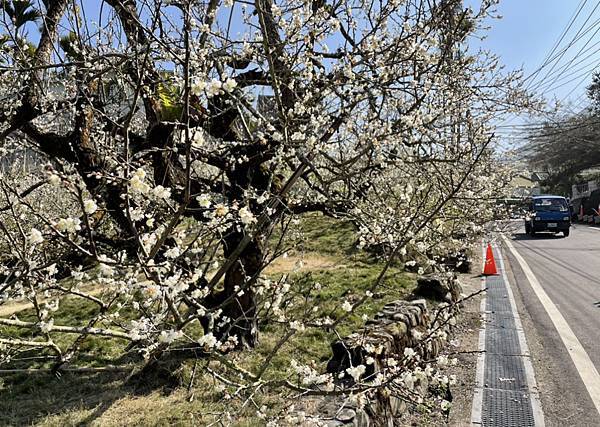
409 353
347 306
137 183
68 225
356 371
54 180
203 201
198 87
35 236
310 376
416 334
167 337
214 88
139 329
221 210
46 327
262 198
229 85
136 214
173 252
161 192
52 269
246 216
140 173
297 326
89 206
208 341
358 399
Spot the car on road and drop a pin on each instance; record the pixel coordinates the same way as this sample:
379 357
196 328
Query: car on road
548 213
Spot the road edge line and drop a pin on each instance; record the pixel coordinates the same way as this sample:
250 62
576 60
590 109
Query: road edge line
584 365
536 404
477 408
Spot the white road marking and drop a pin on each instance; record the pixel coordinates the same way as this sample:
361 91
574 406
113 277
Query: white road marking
585 367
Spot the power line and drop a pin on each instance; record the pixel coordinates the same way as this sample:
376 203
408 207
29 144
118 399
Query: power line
577 54
558 57
559 41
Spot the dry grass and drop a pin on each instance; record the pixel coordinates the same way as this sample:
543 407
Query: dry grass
304 262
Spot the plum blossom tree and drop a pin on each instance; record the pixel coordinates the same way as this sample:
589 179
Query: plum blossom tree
178 135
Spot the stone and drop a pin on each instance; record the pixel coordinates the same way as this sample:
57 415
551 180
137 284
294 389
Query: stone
421 304
400 317
345 415
438 288
459 262
397 330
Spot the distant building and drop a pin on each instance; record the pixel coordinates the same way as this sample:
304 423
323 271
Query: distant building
583 189
527 184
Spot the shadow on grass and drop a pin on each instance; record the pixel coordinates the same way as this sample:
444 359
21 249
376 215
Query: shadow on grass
30 398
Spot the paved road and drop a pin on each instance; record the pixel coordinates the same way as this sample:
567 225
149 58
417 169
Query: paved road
568 270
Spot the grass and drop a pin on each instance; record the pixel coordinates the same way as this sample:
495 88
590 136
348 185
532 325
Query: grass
104 398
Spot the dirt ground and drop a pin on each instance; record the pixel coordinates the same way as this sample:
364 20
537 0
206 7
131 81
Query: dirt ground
466 338
463 345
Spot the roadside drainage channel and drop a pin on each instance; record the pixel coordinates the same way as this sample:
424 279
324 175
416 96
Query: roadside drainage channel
506 393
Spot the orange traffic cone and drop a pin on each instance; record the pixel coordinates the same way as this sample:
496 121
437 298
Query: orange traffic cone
489 269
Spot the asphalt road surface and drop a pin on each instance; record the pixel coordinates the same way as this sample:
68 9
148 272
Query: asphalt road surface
568 270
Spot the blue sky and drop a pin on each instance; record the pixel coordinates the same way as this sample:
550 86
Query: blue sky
529 30
527 34
524 37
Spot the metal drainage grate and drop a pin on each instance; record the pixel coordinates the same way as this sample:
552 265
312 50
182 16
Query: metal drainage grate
502 341
506 400
494 281
505 373
500 320
503 408
498 304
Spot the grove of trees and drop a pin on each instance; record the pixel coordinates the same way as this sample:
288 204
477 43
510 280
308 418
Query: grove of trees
567 146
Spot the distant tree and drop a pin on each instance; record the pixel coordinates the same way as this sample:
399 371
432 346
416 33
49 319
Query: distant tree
565 148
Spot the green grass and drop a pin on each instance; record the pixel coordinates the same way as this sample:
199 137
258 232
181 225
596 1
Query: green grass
105 399
325 235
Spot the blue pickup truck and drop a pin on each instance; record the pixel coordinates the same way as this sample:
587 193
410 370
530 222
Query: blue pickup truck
548 213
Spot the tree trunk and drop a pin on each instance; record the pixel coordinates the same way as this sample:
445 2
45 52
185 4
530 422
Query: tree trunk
237 299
